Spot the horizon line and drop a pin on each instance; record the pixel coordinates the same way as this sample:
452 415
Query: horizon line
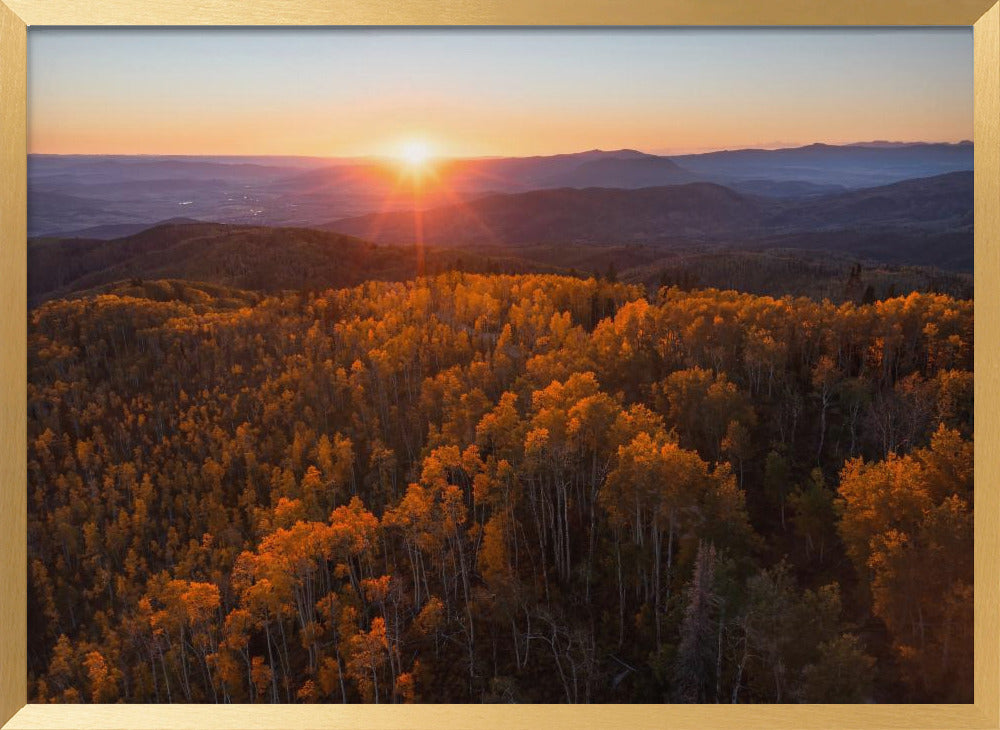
769 147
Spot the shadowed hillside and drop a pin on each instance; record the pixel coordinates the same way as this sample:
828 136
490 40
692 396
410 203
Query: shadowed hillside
567 215
245 257
921 221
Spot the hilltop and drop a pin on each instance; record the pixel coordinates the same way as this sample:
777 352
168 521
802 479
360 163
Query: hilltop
244 257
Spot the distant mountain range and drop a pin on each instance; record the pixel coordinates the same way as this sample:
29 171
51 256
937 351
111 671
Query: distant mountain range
291 223
852 166
70 194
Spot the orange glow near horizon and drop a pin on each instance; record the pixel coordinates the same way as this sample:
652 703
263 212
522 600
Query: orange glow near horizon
419 95
474 136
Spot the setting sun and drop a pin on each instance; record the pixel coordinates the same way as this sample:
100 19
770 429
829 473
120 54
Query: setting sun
415 153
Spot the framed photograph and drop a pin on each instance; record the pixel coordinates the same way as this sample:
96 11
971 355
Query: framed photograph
499 365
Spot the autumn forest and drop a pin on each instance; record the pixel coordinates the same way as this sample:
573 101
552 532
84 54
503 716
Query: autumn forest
475 365
499 488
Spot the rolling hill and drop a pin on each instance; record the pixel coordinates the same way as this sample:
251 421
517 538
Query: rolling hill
942 202
243 257
910 216
237 265
569 215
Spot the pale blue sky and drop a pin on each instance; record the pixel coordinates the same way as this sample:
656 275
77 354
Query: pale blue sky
490 91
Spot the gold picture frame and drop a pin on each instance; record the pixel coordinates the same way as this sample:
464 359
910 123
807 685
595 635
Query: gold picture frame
17 15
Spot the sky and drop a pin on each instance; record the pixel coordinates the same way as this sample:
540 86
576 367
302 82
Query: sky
480 92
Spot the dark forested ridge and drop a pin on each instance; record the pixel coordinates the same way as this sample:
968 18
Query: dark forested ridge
271 260
473 488
245 257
